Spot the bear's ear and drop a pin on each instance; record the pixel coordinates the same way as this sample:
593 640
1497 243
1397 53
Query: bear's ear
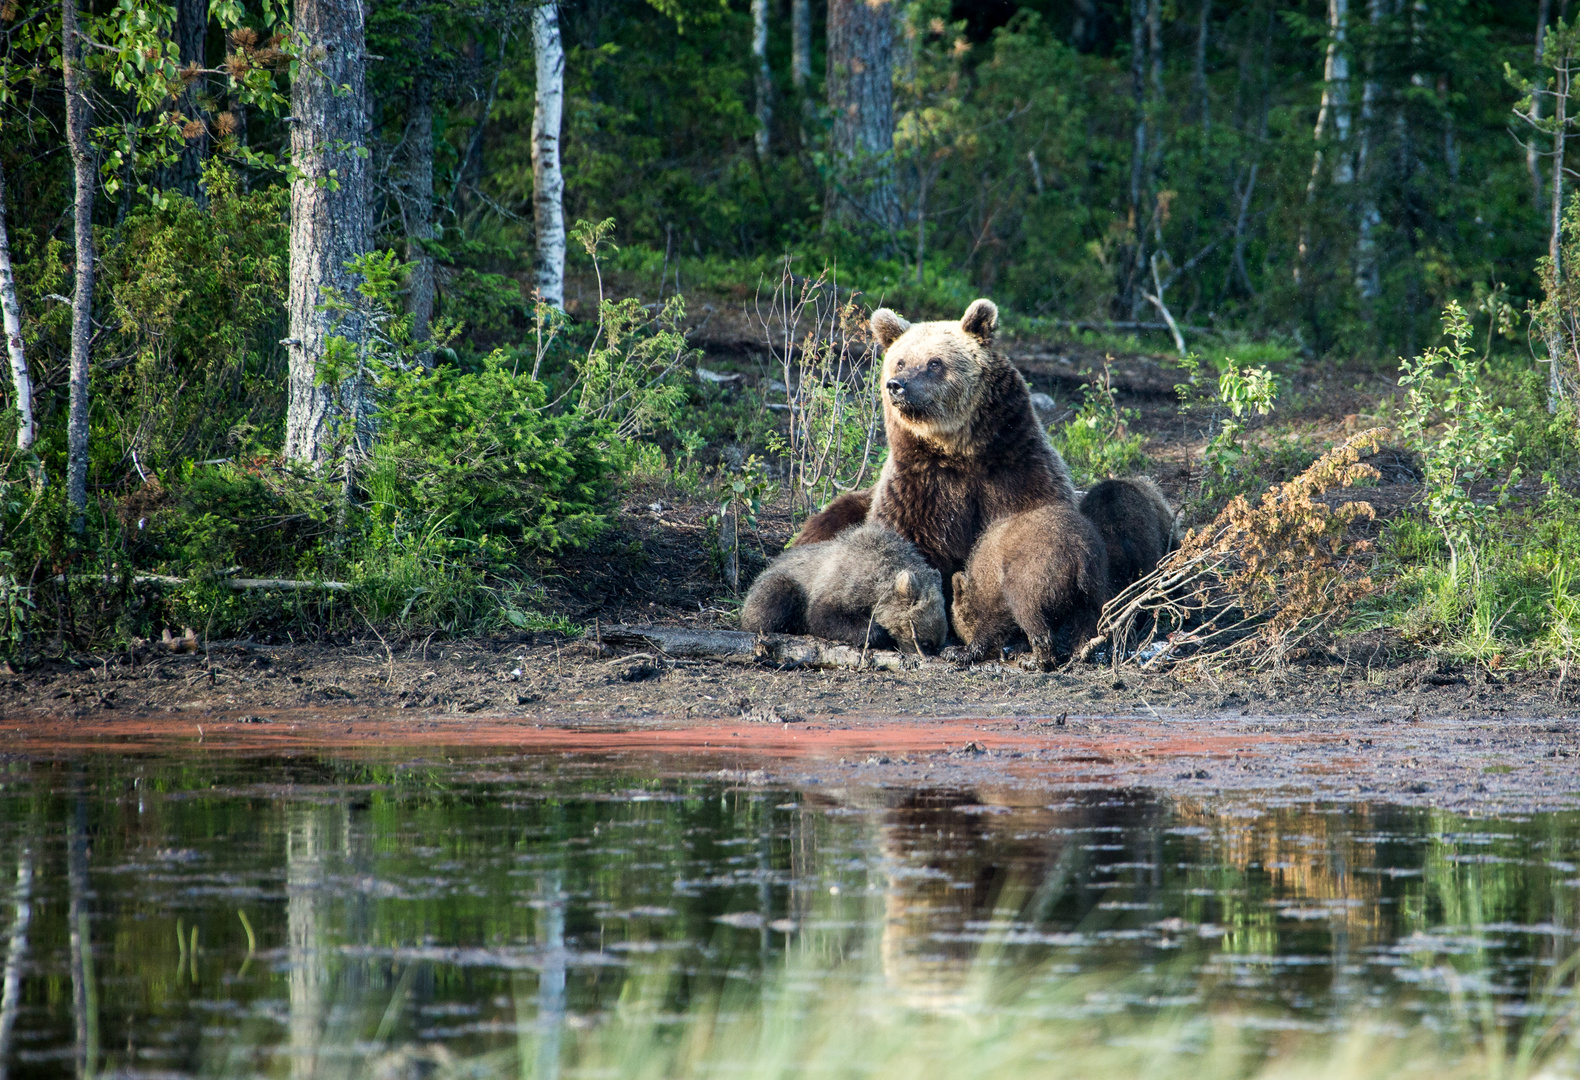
980 320
958 584
905 584
887 326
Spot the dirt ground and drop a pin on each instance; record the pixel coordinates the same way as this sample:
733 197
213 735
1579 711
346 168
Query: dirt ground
1371 718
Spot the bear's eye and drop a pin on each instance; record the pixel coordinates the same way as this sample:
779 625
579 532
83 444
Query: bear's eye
934 365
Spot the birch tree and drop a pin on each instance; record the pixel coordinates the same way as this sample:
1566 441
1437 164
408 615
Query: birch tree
763 76
548 183
85 171
1333 114
861 98
1533 163
11 308
329 214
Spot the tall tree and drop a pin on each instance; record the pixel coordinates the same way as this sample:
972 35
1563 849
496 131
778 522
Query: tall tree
548 183
763 77
329 215
11 309
1533 163
417 187
1137 261
860 87
1333 115
191 40
85 170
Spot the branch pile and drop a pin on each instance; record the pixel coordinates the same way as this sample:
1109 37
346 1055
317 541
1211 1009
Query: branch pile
1257 580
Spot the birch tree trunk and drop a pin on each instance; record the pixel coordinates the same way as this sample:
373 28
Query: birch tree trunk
11 309
1335 112
763 77
417 191
329 217
86 171
800 45
1367 282
548 184
1533 163
861 98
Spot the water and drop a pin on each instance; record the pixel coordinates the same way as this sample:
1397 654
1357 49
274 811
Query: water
577 915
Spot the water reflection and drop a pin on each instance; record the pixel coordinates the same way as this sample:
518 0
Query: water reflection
346 918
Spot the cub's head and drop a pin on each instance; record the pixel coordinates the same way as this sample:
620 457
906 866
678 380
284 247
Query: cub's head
912 611
932 371
965 617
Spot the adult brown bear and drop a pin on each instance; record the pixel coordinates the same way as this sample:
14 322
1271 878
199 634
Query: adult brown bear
965 448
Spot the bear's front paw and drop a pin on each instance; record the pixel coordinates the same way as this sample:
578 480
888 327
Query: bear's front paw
956 654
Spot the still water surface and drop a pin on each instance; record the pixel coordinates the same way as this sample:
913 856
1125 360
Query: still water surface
525 915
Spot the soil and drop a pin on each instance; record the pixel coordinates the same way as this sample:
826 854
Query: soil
1369 717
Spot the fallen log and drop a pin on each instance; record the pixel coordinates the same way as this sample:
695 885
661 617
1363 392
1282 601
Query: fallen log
737 646
239 584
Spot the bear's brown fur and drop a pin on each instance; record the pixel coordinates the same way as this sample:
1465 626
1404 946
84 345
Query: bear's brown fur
1043 571
869 586
965 448
1136 524
843 512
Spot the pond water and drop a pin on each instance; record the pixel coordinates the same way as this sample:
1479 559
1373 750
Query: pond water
580 915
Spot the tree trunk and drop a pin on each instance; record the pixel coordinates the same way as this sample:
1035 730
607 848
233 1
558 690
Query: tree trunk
86 170
329 218
861 98
11 308
417 192
548 184
1084 34
800 45
1334 111
763 76
1130 295
1367 282
1199 71
191 39
1561 86
1533 163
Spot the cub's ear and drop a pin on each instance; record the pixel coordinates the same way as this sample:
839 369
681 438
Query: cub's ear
886 326
958 585
905 584
980 320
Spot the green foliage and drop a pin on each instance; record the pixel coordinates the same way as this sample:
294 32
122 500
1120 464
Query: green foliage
1463 438
1097 443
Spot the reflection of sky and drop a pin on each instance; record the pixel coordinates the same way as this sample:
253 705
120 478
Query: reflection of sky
439 903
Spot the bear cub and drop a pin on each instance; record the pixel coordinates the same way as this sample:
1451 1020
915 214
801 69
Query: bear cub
1136 524
867 577
1043 572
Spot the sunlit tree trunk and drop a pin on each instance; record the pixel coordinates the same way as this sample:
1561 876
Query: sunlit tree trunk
763 76
417 193
86 173
548 184
11 310
329 213
1533 162
16 953
860 88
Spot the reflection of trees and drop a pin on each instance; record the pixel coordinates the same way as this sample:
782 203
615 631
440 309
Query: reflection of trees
309 972
21 917
84 993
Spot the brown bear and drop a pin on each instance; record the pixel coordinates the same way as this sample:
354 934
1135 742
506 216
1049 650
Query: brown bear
1136 524
1044 571
965 447
868 586
841 513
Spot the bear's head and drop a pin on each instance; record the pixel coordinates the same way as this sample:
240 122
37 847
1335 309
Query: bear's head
913 610
933 371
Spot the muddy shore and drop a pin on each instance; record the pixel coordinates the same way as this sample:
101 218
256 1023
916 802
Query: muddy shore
1415 732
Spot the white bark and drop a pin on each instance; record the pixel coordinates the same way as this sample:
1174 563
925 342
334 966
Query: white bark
21 917
763 76
548 183
1336 79
800 44
21 381
1367 283
1533 164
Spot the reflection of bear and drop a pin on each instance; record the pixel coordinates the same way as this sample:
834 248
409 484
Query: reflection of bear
842 512
965 448
1136 524
1044 571
869 577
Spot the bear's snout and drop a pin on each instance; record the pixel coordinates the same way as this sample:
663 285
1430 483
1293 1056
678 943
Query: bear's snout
895 387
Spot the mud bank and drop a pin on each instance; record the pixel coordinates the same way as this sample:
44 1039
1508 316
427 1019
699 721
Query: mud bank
1410 734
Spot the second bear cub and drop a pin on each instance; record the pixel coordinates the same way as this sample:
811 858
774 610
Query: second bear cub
869 577
1136 523
1043 571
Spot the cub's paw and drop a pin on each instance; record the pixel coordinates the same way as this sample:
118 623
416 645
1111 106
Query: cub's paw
956 654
